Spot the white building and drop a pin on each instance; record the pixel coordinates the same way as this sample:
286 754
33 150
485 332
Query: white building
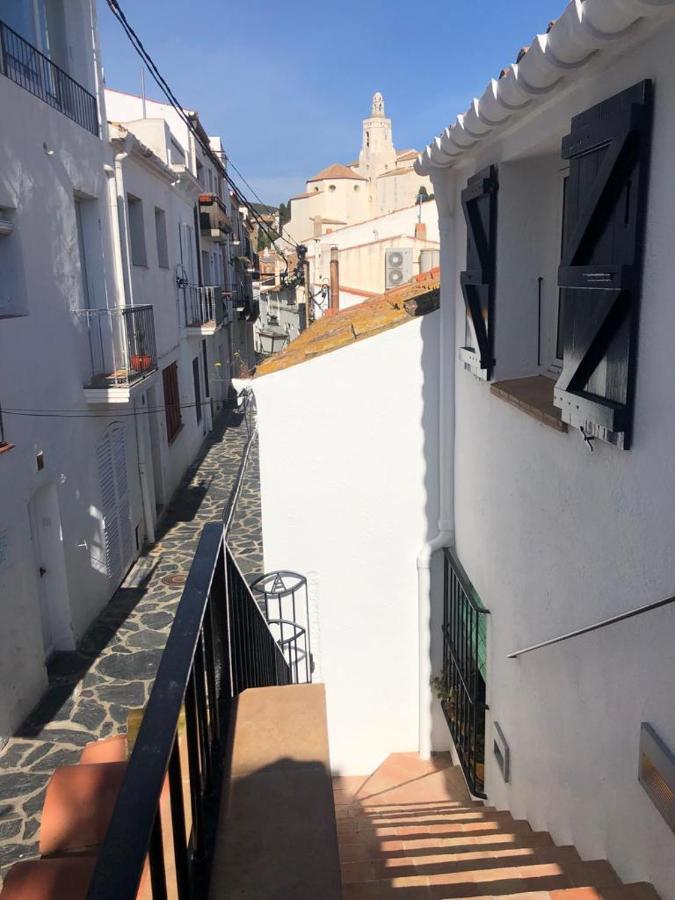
380 181
378 254
116 337
55 574
527 432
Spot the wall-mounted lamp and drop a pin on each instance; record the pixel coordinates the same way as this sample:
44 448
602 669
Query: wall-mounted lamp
48 150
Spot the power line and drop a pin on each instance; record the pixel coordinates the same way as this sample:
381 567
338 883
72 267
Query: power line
161 82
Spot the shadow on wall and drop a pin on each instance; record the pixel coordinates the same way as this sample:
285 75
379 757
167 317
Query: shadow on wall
431 337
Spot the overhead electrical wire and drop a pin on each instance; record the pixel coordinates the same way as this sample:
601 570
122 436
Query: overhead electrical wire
163 85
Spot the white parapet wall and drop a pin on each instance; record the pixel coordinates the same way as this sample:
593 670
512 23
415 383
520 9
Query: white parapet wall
348 467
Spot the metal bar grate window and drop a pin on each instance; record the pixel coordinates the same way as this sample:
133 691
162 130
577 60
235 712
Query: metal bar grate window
26 66
464 670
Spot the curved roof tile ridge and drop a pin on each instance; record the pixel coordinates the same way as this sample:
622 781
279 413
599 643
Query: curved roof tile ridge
583 29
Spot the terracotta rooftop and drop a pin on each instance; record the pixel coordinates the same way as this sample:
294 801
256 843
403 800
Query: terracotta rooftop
406 154
335 171
364 320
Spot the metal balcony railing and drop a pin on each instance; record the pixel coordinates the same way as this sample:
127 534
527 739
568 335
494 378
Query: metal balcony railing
203 305
122 346
462 684
219 645
26 66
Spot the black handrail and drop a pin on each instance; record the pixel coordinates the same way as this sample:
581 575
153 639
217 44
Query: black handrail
463 676
26 66
596 626
219 645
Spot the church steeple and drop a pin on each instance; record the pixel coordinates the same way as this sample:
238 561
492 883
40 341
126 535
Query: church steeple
377 150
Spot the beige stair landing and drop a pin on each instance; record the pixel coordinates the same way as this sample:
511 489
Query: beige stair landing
410 830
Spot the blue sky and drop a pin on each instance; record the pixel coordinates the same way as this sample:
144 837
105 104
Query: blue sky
286 84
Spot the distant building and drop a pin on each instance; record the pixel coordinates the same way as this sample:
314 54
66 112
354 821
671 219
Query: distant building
380 181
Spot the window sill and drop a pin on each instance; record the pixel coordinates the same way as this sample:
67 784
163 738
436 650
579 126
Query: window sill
5 447
534 396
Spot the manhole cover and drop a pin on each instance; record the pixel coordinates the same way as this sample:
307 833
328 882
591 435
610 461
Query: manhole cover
177 579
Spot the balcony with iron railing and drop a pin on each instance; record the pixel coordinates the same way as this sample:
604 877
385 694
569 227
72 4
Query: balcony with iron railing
121 351
206 308
26 66
214 220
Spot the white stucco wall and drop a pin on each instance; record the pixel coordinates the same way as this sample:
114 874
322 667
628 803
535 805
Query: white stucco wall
352 513
555 538
43 366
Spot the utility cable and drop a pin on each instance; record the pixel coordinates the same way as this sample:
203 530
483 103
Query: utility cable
161 82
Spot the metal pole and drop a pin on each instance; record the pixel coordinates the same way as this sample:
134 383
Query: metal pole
334 301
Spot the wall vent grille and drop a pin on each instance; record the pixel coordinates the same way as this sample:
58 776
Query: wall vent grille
502 753
657 773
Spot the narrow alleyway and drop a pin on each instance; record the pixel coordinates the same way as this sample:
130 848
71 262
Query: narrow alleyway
92 688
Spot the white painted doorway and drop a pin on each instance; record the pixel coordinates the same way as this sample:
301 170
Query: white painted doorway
50 570
111 458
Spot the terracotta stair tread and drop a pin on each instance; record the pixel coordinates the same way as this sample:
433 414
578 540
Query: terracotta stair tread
78 805
49 879
412 830
110 749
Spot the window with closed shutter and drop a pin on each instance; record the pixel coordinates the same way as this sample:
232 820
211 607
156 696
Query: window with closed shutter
479 203
171 401
111 458
600 272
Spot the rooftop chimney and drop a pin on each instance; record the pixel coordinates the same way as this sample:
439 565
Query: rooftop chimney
334 301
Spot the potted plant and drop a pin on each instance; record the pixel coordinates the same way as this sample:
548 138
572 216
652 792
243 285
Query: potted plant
440 685
141 360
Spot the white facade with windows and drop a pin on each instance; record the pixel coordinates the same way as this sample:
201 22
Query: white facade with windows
556 526
112 363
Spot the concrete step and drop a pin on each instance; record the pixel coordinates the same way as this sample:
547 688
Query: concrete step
78 805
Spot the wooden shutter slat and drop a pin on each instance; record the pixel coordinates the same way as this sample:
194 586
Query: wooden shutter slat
600 271
477 281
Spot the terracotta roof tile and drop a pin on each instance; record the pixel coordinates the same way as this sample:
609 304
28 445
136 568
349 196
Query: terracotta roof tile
336 171
305 195
364 320
406 154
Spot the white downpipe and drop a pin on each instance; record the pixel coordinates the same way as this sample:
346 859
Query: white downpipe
122 226
443 188
148 506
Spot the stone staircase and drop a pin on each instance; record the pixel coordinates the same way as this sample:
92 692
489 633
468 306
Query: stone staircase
410 830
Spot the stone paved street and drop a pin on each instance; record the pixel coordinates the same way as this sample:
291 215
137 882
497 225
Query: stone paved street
92 688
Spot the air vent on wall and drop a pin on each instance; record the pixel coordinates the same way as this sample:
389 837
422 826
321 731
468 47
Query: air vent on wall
657 773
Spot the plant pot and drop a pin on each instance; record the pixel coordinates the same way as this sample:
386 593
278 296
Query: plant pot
141 362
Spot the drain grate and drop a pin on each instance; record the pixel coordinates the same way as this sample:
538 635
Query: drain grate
176 579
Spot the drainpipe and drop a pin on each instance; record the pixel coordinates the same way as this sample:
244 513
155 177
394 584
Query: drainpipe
118 262
120 217
148 511
443 188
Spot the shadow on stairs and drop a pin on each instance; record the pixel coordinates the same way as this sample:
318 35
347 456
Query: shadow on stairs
410 830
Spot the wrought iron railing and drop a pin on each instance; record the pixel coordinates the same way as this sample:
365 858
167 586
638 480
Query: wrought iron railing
218 646
26 66
122 345
462 686
203 305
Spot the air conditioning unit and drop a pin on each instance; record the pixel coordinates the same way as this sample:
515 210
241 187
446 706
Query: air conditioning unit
397 267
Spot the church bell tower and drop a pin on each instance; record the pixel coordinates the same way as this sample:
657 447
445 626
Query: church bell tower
377 149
